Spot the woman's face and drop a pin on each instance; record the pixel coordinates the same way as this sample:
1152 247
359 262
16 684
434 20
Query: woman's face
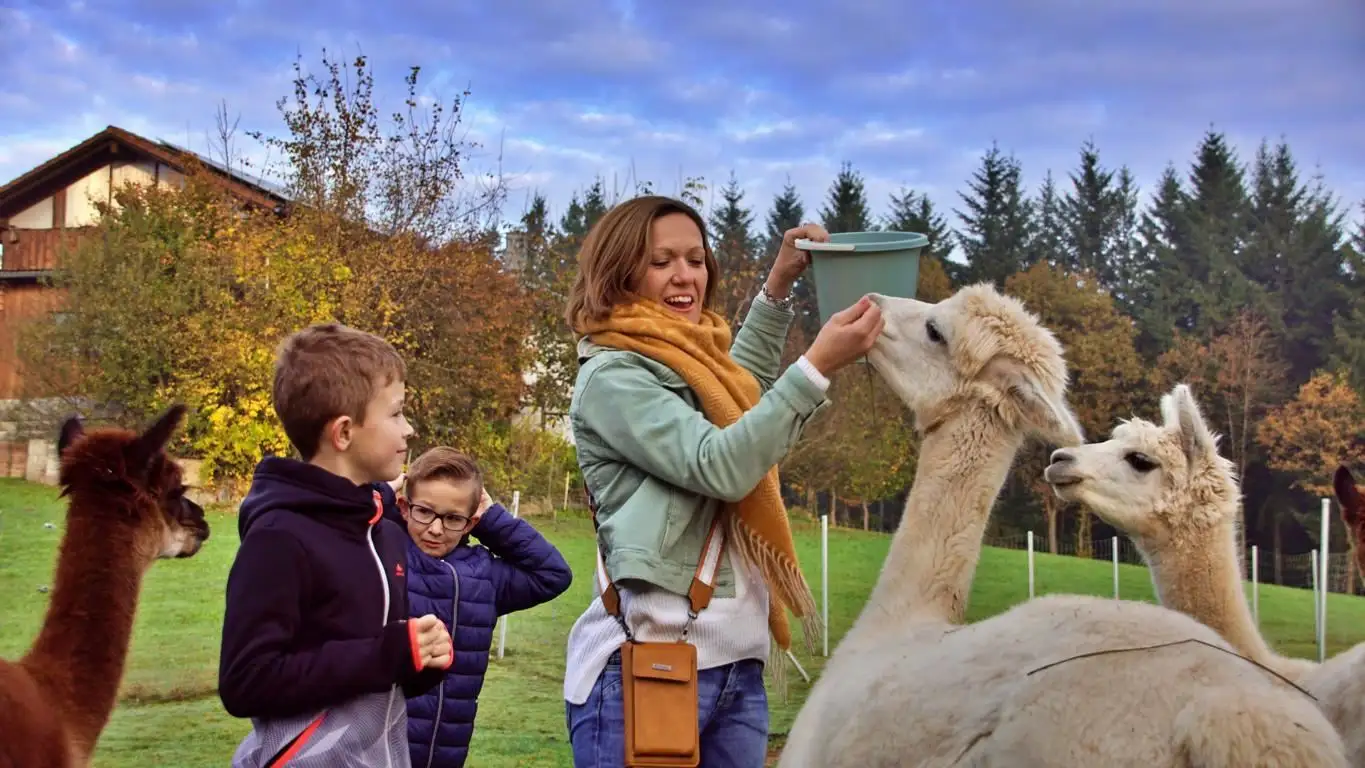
676 273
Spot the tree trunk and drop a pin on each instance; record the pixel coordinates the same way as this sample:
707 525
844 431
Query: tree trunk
1084 546
1050 508
812 501
867 518
833 511
1279 559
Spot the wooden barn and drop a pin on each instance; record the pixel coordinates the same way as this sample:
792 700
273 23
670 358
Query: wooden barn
50 208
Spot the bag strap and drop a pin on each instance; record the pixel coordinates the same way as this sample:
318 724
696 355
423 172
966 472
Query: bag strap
703 581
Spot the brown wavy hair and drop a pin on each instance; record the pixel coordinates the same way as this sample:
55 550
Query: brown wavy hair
615 256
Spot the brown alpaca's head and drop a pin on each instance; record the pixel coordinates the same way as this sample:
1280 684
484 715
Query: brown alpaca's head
118 477
1352 501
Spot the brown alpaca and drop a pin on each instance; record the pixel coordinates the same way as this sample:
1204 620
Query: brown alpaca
1352 501
127 509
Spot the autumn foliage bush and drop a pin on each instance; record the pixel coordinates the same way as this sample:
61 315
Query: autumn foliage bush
184 296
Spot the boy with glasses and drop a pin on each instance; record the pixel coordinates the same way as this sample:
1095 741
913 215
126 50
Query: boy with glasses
467 586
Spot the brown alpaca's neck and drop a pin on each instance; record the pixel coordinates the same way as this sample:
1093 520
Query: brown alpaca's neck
929 568
79 655
1199 576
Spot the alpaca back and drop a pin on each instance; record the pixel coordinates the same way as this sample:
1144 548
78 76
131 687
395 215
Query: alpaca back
1056 681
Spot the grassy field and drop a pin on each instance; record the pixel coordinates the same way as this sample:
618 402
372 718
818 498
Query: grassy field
169 713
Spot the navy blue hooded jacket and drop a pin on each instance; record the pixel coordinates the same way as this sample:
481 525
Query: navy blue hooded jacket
316 597
515 569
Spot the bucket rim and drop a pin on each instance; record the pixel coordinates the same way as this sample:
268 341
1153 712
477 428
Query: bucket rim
871 241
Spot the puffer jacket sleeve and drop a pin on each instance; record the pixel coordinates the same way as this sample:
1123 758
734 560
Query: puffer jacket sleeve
527 569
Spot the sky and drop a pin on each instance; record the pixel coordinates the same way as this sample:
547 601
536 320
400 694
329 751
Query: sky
911 94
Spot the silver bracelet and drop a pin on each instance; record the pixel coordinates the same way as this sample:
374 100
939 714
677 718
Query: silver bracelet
783 304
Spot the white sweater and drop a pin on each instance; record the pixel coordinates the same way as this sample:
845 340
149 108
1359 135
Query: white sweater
730 629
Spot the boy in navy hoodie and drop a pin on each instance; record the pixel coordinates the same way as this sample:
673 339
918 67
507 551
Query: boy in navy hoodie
468 587
318 649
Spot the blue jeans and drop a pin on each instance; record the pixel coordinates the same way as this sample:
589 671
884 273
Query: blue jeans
732 717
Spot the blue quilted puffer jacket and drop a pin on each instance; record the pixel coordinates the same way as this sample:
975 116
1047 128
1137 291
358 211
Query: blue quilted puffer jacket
515 569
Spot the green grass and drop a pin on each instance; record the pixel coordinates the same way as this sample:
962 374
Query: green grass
169 713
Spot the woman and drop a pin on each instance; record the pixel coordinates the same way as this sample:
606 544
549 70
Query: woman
674 427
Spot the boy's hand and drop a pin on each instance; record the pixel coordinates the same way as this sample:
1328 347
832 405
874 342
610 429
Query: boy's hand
433 643
485 501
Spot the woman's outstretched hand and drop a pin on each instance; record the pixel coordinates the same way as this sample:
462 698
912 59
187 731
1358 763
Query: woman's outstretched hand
846 337
791 263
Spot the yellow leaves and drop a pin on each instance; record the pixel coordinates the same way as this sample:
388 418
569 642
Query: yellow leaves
1105 368
1321 428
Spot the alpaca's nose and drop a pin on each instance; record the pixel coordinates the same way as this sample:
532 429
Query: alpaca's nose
1061 456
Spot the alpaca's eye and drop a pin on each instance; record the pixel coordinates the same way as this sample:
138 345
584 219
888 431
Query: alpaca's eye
1140 462
932 331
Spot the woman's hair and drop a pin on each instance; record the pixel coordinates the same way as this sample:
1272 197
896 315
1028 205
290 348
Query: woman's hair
444 463
615 255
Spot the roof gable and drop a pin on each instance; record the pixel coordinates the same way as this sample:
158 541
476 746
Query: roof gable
114 144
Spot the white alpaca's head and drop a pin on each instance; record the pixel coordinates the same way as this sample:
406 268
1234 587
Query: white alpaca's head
1154 483
975 347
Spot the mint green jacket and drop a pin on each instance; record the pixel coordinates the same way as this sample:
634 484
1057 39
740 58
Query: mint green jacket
659 469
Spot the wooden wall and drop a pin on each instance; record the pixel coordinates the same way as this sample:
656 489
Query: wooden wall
39 248
19 303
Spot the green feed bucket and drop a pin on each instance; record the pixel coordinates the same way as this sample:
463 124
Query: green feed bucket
854 264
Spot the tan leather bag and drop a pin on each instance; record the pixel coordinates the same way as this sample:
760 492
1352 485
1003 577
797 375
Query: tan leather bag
659 679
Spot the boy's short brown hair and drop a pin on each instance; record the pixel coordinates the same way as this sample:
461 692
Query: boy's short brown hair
329 370
443 463
615 255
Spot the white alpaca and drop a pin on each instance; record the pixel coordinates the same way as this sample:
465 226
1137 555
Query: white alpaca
1171 492
1056 681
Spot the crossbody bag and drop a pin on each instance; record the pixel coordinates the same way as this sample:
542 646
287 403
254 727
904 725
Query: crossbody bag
659 679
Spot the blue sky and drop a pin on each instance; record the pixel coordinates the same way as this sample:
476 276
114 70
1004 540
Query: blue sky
910 93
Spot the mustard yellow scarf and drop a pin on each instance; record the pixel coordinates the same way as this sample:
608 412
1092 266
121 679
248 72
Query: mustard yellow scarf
757 524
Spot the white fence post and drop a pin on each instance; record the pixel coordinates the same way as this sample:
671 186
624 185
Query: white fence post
1323 583
1030 565
824 577
1115 553
1317 603
1255 585
502 630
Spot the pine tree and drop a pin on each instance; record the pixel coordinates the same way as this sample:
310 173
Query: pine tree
1128 264
911 212
846 207
1089 210
1292 255
995 233
787 212
582 215
547 274
1218 223
1162 298
738 253
1348 327
1048 241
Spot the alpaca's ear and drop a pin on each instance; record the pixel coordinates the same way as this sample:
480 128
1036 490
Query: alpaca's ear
1048 414
72 430
1196 439
1352 503
154 440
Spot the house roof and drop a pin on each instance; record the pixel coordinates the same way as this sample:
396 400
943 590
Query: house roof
115 143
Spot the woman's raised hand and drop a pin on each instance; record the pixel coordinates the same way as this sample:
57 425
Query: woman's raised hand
791 263
846 337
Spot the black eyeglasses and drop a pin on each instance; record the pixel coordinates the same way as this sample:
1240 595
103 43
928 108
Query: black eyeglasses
427 516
